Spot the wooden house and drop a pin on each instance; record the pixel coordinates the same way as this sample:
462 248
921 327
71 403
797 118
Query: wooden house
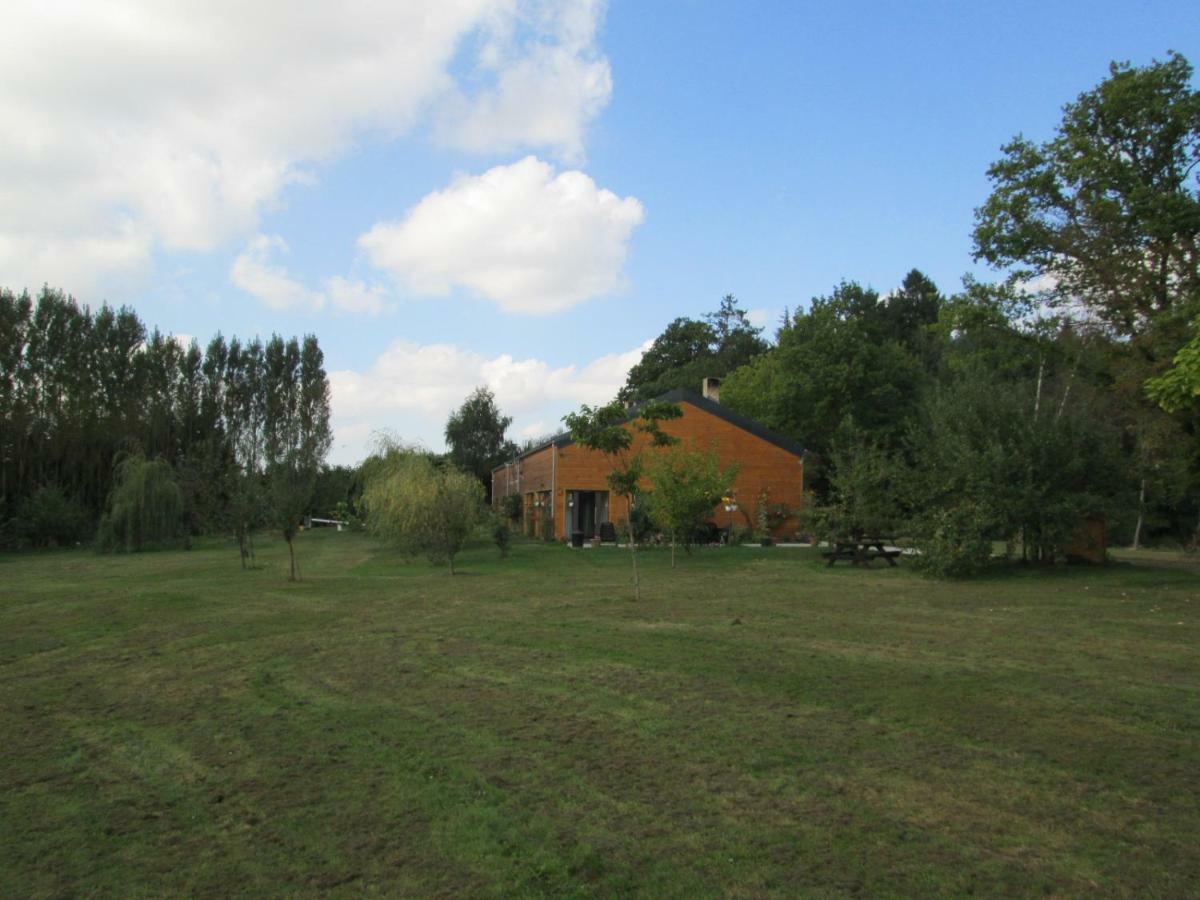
564 486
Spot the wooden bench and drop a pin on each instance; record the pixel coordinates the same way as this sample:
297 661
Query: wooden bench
861 552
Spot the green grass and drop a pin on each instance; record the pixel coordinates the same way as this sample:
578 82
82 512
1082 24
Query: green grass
756 725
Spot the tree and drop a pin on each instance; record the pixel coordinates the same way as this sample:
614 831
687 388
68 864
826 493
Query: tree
686 485
1010 461
145 509
611 430
840 357
475 433
690 350
296 432
421 508
1107 212
863 489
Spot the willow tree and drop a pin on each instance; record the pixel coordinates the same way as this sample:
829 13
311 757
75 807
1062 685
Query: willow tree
420 508
145 508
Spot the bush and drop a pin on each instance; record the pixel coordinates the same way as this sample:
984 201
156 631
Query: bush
954 542
511 506
741 534
501 536
547 528
49 518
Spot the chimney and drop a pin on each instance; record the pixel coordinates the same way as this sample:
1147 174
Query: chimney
710 388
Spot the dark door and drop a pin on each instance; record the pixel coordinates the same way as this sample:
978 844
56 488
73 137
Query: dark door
587 513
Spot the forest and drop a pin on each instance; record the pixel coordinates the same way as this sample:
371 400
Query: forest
241 427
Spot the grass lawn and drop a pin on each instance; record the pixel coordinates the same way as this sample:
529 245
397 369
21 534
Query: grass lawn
756 725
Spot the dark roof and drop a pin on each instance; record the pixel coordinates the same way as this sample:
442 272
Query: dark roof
682 395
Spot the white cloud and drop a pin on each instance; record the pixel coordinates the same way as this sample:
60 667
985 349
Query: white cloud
412 388
546 87
761 318
134 125
356 296
256 272
531 240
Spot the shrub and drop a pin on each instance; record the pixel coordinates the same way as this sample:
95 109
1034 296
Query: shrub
954 542
501 536
49 518
511 507
547 528
741 534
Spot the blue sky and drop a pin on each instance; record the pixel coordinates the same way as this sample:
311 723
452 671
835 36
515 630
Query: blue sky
518 193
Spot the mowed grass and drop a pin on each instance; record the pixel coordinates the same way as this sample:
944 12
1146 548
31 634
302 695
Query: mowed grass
757 725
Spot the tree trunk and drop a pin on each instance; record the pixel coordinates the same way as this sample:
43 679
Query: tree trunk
1137 531
1037 400
292 554
637 590
672 549
451 561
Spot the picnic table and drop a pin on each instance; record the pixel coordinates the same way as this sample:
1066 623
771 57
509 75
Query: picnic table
861 551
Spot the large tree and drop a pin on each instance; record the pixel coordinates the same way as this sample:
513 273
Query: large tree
1107 211
845 355
476 435
690 350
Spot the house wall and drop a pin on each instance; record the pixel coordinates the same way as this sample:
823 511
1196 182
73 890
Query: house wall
767 473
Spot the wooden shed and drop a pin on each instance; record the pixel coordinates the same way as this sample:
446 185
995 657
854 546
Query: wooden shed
565 490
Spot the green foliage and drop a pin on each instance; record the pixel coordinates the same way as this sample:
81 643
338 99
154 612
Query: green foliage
849 354
1028 462
296 431
145 509
1107 211
954 541
863 497
501 535
686 485
421 508
49 518
611 430
475 434
691 350
82 388
511 507
547 526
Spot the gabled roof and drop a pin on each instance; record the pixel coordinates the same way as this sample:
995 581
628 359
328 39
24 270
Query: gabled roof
682 395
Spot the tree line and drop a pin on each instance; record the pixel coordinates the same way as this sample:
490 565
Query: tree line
242 427
1012 411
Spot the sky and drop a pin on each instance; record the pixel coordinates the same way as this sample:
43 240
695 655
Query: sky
517 194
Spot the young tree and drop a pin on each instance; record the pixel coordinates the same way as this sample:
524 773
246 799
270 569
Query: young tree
686 485
296 430
421 508
475 433
612 430
863 496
